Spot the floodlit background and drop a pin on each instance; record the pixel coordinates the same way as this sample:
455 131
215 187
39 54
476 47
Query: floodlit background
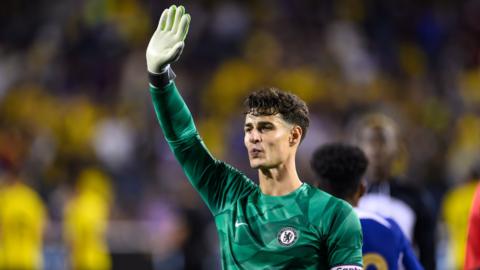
83 162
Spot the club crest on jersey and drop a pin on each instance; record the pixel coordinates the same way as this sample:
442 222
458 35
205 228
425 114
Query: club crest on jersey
287 236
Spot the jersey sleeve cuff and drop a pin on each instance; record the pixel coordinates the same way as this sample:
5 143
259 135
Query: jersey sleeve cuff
162 79
347 267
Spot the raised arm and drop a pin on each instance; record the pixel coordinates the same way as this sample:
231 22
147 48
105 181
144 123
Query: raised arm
218 183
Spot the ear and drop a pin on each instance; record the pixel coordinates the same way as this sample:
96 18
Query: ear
362 188
295 135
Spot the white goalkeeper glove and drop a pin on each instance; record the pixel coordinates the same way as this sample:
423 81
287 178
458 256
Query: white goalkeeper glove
166 44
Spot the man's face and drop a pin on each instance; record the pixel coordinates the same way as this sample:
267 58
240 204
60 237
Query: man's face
268 140
379 145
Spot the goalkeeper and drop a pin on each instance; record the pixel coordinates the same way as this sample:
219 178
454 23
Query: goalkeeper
282 223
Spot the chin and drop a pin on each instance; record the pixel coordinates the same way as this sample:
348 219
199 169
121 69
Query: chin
255 165
261 165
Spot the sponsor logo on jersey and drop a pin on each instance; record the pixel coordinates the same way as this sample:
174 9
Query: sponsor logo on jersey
374 260
287 236
346 267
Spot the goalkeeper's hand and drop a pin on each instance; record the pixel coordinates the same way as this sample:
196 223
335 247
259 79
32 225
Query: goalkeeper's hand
166 44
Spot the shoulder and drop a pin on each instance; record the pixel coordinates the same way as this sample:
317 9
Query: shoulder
396 230
316 195
401 188
375 225
417 197
24 192
327 211
232 172
322 203
373 217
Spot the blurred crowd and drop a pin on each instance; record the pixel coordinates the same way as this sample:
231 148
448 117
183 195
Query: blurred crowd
79 139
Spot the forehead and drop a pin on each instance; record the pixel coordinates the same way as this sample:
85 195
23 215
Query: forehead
256 119
377 133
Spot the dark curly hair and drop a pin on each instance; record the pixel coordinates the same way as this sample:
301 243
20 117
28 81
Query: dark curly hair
271 101
340 168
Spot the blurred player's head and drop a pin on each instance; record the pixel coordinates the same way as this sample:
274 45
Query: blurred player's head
377 135
94 181
340 169
275 124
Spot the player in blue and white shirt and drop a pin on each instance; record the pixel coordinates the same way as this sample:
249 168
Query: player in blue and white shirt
340 169
384 243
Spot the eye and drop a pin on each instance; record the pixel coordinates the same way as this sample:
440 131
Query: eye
265 128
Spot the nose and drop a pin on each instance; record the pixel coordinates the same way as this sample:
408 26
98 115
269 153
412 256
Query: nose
254 137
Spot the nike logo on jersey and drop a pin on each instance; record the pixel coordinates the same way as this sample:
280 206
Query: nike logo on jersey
238 224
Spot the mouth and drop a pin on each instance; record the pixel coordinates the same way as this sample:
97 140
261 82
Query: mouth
255 152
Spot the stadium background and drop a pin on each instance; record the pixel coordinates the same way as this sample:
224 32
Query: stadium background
74 102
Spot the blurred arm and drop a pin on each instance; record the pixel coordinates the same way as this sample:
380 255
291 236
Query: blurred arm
424 233
409 260
472 261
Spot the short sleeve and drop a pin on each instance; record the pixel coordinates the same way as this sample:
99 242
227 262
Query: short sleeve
345 239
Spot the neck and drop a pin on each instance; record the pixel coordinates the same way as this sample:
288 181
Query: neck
280 180
379 176
352 201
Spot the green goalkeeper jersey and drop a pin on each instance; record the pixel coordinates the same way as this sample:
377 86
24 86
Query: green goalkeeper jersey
306 229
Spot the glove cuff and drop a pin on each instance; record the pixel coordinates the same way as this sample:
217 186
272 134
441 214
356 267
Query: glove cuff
162 79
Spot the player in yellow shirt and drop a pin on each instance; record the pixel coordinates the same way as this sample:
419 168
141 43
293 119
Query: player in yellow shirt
22 223
86 221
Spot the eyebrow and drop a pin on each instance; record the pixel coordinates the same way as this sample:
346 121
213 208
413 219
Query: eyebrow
265 123
261 123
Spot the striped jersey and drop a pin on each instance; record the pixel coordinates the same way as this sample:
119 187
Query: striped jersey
306 229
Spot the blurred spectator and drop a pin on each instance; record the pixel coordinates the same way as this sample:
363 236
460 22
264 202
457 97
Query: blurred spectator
22 224
387 195
85 222
456 208
168 232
